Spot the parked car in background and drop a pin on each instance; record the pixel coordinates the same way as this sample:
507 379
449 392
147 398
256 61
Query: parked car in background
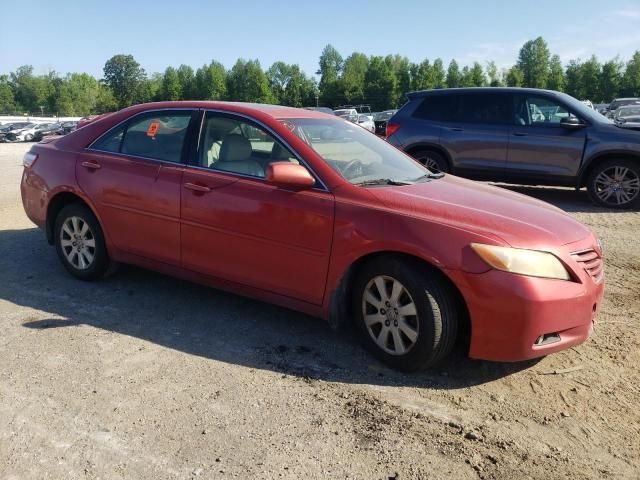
350 114
380 121
620 102
601 108
68 127
317 215
21 132
326 110
588 103
47 129
366 122
521 135
628 116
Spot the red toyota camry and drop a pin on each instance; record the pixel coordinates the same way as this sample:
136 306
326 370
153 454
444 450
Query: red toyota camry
314 213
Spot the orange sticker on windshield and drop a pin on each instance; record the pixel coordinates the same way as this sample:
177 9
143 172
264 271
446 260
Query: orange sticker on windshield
153 129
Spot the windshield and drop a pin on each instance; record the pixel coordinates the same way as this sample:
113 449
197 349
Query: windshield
628 111
582 110
626 101
355 154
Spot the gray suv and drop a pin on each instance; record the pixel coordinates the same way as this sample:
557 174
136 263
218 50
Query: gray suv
521 135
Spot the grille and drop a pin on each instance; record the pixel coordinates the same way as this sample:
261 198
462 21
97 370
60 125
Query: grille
591 262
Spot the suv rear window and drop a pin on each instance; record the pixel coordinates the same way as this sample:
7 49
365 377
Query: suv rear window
437 107
489 108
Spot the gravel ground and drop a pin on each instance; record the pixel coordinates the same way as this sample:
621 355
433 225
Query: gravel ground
143 376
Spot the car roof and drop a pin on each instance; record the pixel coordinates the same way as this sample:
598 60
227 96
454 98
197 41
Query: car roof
274 111
447 91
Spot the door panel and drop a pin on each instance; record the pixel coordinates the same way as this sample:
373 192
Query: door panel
475 147
137 200
538 145
256 234
552 151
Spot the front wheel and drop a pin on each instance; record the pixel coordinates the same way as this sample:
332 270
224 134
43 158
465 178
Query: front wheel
615 184
434 161
80 242
406 314
28 137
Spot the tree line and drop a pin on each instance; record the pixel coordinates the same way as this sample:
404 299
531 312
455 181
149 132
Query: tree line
380 81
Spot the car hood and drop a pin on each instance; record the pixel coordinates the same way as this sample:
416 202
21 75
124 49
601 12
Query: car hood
516 219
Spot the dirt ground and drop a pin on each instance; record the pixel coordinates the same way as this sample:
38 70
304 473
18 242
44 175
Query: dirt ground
142 376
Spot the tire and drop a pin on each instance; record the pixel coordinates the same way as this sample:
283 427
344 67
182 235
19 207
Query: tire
413 341
615 184
432 160
84 257
28 137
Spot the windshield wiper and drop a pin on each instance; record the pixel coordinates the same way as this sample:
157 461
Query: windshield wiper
428 176
383 181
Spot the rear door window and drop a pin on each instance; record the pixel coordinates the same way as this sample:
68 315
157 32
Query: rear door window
156 135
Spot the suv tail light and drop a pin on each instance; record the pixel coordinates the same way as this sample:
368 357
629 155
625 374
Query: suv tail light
391 129
29 159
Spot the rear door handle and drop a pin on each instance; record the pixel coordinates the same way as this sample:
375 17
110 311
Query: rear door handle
456 129
91 165
520 134
197 188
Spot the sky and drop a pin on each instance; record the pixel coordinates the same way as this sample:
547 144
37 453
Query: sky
80 36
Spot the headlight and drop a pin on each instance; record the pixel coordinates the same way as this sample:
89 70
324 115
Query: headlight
533 263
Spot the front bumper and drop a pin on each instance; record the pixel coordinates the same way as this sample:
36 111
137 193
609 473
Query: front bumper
511 314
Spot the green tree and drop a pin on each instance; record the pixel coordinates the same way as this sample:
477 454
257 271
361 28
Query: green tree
492 73
453 75
631 78
438 74
513 77
380 84
556 80
30 92
125 77
7 101
533 62
170 87
300 90
330 68
78 95
477 77
352 79
590 73
573 75
186 78
466 78
247 82
105 102
610 79
210 82
402 71
423 78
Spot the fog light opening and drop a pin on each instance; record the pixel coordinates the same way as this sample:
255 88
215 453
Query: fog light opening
547 339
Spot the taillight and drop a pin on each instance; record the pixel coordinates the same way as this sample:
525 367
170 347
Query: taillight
29 159
391 129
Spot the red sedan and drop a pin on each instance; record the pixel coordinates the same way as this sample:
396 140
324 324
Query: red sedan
314 213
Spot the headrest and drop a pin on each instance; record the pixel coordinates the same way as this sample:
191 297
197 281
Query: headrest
278 152
235 148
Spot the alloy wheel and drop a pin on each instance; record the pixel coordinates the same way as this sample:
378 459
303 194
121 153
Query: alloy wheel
78 243
617 185
390 315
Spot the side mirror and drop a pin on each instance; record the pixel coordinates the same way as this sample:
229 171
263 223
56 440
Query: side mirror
571 123
289 175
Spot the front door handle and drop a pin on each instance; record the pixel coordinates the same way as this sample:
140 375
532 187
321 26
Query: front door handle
457 129
520 134
197 188
91 165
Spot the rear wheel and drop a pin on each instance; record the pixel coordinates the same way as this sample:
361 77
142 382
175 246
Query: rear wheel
406 314
434 161
615 183
80 242
28 137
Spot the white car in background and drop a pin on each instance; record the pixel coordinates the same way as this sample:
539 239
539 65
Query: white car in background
366 122
350 114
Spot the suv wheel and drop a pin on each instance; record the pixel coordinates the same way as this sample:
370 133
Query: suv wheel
28 137
432 160
615 184
80 242
406 315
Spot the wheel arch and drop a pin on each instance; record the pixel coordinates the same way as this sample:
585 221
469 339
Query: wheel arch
602 157
56 204
340 314
434 147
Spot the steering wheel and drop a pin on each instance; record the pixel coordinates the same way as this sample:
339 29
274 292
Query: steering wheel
355 165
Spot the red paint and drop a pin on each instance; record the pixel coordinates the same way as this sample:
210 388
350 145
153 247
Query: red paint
292 246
